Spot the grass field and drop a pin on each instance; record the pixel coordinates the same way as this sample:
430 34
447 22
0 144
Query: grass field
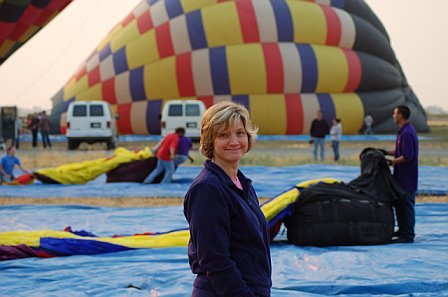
433 152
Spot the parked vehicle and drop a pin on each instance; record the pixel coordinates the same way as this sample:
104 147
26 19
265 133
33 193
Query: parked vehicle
91 122
183 113
8 129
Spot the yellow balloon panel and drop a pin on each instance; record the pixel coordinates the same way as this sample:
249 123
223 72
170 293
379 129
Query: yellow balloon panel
350 110
268 112
247 71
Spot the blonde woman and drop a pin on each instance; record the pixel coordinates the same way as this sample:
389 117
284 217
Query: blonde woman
229 235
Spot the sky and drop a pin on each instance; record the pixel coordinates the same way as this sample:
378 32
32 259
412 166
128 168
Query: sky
35 72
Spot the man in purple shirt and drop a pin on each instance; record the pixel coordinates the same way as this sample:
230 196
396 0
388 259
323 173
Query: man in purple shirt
183 150
405 164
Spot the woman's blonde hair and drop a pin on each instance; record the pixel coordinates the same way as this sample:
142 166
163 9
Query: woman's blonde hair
218 118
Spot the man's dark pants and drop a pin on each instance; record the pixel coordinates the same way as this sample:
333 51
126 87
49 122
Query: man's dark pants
405 211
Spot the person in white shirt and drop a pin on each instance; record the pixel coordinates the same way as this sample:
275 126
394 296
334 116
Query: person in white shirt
336 136
368 121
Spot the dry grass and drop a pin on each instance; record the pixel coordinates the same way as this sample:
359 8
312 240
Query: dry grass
433 152
142 201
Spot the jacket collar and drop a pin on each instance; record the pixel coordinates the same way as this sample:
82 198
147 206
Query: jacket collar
223 175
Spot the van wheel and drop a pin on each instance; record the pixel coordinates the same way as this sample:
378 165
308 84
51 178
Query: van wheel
72 144
111 144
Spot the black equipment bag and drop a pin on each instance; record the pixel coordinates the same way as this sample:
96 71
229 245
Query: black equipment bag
357 213
336 214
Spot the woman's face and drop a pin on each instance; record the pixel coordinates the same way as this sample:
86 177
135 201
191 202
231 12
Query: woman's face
231 145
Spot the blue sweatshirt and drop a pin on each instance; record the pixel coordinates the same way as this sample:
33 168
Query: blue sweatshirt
229 235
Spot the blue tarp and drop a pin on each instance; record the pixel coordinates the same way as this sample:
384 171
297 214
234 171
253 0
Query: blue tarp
417 269
268 182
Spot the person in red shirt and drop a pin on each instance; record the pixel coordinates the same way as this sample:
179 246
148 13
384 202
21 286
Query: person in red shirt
165 157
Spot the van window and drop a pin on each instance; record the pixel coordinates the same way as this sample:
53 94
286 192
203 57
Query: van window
175 110
192 110
79 111
96 110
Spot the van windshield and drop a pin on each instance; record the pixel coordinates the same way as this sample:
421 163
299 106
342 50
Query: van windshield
96 110
192 110
79 111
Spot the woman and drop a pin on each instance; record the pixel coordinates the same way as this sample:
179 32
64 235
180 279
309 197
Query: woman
229 235
336 136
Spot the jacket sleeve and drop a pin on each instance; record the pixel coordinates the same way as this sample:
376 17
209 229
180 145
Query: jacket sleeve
312 128
208 213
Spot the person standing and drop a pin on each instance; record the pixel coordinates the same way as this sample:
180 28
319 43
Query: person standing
44 126
336 137
166 151
33 125
368 121
229 235
405 164
7 164
18 125
319 129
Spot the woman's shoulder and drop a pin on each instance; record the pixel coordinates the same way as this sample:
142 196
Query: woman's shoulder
205 179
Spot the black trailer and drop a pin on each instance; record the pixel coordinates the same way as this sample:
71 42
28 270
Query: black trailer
8 129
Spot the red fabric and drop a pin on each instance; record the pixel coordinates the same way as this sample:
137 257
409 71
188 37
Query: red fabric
170 141
108 91
164 42
184 75
30 15
18 31
44 17
208 100
94 76
5 29
248 20
58 5
334 27
294 114
124 124
274 68
354 71
144 23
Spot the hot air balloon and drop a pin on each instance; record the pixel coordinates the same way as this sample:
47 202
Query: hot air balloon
20 20
282 59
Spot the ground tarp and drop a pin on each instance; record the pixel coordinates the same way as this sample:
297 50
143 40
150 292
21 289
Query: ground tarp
400 270
268 182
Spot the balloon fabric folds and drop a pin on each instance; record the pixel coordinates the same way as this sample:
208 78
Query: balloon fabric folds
282 59
20 20
52 243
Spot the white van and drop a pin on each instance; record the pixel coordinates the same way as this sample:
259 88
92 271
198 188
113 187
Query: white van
183 113
91 122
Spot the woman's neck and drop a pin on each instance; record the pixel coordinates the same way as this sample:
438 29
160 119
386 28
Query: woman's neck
231 169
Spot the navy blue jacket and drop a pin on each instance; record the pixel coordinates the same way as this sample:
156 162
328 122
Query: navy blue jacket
229 235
